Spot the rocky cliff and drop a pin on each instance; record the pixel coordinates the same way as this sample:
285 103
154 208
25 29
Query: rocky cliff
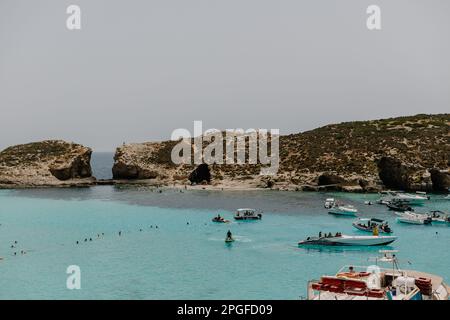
410 153
46 163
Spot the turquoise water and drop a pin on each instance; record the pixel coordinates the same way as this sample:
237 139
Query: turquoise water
187 261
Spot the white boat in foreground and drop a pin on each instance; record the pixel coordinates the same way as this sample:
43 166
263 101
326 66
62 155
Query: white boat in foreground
346 240
378 283
413 218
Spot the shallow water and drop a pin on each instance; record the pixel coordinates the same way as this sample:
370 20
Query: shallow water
187 261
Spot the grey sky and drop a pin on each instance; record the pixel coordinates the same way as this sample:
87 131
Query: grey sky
139 69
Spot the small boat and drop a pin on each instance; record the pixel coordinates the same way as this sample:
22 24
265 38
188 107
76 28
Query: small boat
438 216
379 282
343 210
400 206
368 203
413 218
247 214
220 219
346 240
410 198
368 225
329 203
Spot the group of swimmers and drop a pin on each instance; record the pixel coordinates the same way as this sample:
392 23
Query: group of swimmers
119 233
13 246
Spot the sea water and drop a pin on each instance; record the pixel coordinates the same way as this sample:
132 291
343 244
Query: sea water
186 256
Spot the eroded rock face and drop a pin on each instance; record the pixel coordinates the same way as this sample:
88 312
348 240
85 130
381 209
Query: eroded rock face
133 161
440 180
393 173
200 174
46 163
407 146
330 179
73 168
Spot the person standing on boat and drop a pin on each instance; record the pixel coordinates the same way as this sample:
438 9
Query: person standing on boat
375 230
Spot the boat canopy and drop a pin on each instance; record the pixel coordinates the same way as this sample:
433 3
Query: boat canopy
242 210
371 220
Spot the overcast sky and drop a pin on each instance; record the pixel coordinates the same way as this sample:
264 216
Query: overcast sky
137 70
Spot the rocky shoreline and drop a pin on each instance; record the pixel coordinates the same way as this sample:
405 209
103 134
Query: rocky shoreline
406 153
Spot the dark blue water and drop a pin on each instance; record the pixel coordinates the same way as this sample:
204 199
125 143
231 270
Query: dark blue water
102 163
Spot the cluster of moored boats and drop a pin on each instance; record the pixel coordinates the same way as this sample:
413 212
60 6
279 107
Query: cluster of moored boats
376 282
402 203
369 282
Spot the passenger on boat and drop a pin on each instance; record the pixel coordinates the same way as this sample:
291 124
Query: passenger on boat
229 234
351 270
320 234
375 231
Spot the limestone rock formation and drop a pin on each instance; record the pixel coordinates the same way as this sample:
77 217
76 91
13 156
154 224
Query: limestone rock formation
46 163
394 174
440 180
354 156
143 161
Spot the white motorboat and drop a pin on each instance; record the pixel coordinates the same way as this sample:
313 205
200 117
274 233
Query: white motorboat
413 218
247 214
346 240
343 210
368 225
438 216
379 283
399 196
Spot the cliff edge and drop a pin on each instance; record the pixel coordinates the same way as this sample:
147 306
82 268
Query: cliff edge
45 163
409 153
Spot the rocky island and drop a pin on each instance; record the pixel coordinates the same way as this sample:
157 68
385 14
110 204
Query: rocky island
51 163
409 153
